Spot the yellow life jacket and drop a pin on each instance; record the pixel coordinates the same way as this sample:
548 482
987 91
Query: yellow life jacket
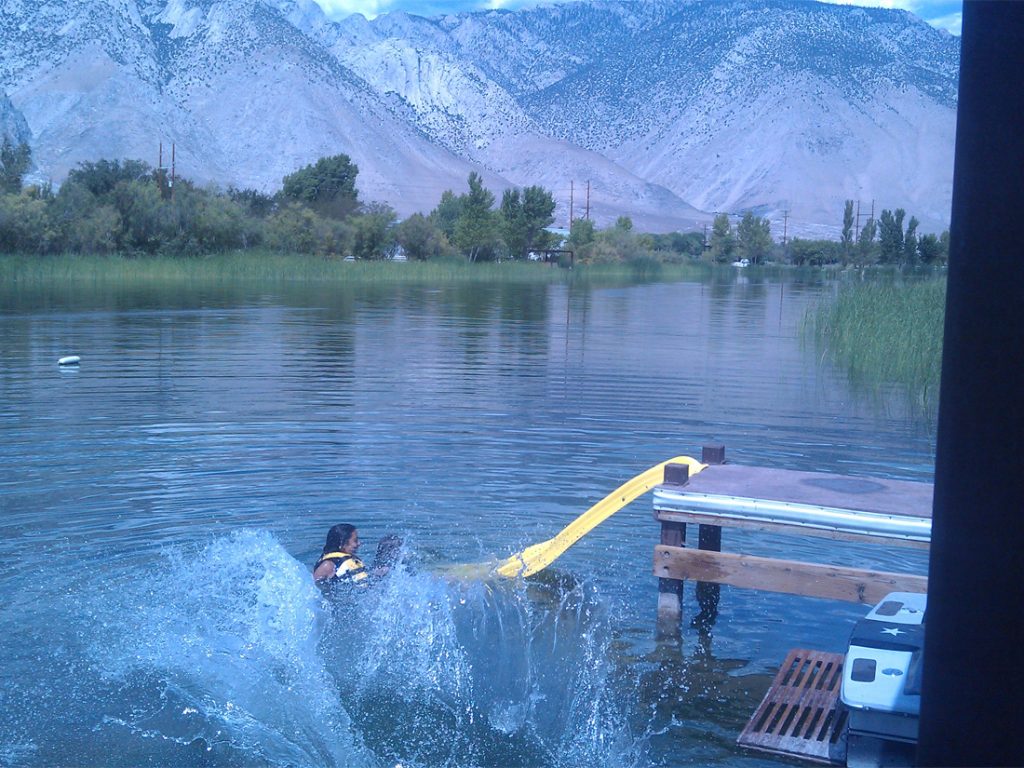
347 567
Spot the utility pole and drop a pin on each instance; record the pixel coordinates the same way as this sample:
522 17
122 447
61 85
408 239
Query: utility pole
172 170
588 200
159 175
571 191
785 226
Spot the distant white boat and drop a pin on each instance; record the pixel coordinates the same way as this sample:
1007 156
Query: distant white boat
741 263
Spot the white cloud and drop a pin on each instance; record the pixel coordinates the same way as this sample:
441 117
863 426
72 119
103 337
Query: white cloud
951 22
943 14
337 9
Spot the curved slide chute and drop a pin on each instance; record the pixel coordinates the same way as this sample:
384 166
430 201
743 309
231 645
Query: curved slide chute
537 557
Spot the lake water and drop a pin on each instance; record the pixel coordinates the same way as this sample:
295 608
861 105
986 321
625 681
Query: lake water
162 505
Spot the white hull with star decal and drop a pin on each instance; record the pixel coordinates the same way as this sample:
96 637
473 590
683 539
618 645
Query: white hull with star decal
882 675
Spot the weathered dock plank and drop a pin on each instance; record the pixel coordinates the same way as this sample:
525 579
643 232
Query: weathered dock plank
854 585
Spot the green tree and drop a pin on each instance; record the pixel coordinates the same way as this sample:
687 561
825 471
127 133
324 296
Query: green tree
477 229
678 244
151 224
866 242
513 230
928 248
538 215
723 241
890 236
294 228
25 226
213 222
613 245
847 239
814 252
420 239
255 203
624 223
910 242
328 186
524 218
97 231
14 162
446 215
373 233
755 237
581 234
101 177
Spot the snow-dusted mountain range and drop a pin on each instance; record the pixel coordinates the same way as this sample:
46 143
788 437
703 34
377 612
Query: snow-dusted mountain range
671 110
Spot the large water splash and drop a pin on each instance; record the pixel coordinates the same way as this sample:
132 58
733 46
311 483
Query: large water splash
227 654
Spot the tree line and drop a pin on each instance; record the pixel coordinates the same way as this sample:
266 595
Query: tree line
128 207
885 241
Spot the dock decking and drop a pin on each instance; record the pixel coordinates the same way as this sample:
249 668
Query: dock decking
838 507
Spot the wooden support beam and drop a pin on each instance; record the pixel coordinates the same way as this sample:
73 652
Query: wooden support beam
709 537
670 591
854 585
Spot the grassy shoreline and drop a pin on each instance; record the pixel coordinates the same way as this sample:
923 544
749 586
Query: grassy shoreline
885 332
270 266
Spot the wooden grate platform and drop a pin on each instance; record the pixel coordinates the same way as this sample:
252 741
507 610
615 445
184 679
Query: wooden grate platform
801 716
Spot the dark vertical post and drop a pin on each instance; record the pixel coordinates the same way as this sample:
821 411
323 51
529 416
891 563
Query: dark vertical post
709 537
973 686
572 189
670 591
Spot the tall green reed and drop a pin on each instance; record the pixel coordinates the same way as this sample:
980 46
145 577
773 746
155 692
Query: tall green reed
885 333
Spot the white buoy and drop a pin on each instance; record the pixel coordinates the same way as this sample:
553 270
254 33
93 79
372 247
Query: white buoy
69 360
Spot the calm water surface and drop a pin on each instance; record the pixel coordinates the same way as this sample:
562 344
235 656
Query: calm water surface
162 506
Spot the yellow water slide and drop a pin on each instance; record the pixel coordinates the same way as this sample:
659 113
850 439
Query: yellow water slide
537 557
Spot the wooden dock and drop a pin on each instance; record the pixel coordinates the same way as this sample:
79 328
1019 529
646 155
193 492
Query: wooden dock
837 507
801 715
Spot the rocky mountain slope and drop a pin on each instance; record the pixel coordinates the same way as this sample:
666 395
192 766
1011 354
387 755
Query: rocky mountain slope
665 107
13 127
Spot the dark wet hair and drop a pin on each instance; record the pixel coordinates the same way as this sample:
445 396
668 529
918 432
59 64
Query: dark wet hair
337 536
388 550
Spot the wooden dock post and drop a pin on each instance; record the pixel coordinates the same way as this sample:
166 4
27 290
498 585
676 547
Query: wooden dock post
673 534
709 537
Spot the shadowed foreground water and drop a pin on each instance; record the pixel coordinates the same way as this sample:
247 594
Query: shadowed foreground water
163 503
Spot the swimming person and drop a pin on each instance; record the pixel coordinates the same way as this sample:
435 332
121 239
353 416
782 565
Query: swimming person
338 563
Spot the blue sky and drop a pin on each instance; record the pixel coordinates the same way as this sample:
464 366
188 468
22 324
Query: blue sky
939 13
